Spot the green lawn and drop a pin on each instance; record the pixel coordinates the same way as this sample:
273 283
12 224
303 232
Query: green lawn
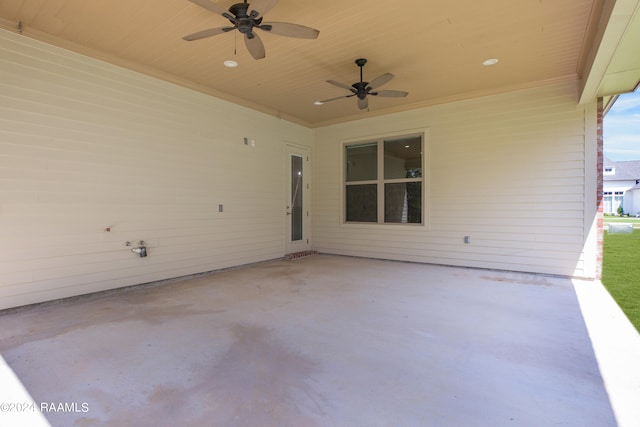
621 272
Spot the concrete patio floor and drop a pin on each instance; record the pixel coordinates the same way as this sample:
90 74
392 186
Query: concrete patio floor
327 341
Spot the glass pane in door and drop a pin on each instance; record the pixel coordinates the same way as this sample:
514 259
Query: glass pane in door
296 198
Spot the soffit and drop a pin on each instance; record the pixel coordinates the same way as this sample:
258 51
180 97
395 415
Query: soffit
614 59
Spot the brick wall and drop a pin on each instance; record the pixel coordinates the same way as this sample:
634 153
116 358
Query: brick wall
599 192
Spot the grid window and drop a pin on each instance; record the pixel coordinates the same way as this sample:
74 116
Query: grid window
383 181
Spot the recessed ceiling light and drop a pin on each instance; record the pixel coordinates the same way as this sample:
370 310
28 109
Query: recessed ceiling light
490 61
230 63
318 103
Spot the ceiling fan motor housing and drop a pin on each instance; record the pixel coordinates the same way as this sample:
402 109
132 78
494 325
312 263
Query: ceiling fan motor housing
243 21
361 89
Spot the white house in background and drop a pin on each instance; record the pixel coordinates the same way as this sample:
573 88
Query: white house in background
621 186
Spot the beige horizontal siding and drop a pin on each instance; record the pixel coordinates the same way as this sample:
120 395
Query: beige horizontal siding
85 146
507 170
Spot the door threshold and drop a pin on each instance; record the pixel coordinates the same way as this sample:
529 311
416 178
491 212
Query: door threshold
296 255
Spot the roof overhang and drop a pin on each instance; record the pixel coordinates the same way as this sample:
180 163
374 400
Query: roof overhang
612 65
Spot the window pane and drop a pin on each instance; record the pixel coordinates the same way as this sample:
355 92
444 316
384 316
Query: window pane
362 162
297 187
362 203
403 202
403 158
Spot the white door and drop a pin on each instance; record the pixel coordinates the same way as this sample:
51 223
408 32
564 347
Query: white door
297 207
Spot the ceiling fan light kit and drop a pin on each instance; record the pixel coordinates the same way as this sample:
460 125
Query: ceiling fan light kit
245 17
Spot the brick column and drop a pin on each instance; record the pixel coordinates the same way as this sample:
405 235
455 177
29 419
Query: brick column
599 191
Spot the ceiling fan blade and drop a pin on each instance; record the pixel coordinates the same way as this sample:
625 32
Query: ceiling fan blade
390 93
342 85
337 97
363 103
290 30
209 5
260 7
208 33
254 45
380 80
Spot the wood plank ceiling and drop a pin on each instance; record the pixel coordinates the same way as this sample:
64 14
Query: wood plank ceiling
434 48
